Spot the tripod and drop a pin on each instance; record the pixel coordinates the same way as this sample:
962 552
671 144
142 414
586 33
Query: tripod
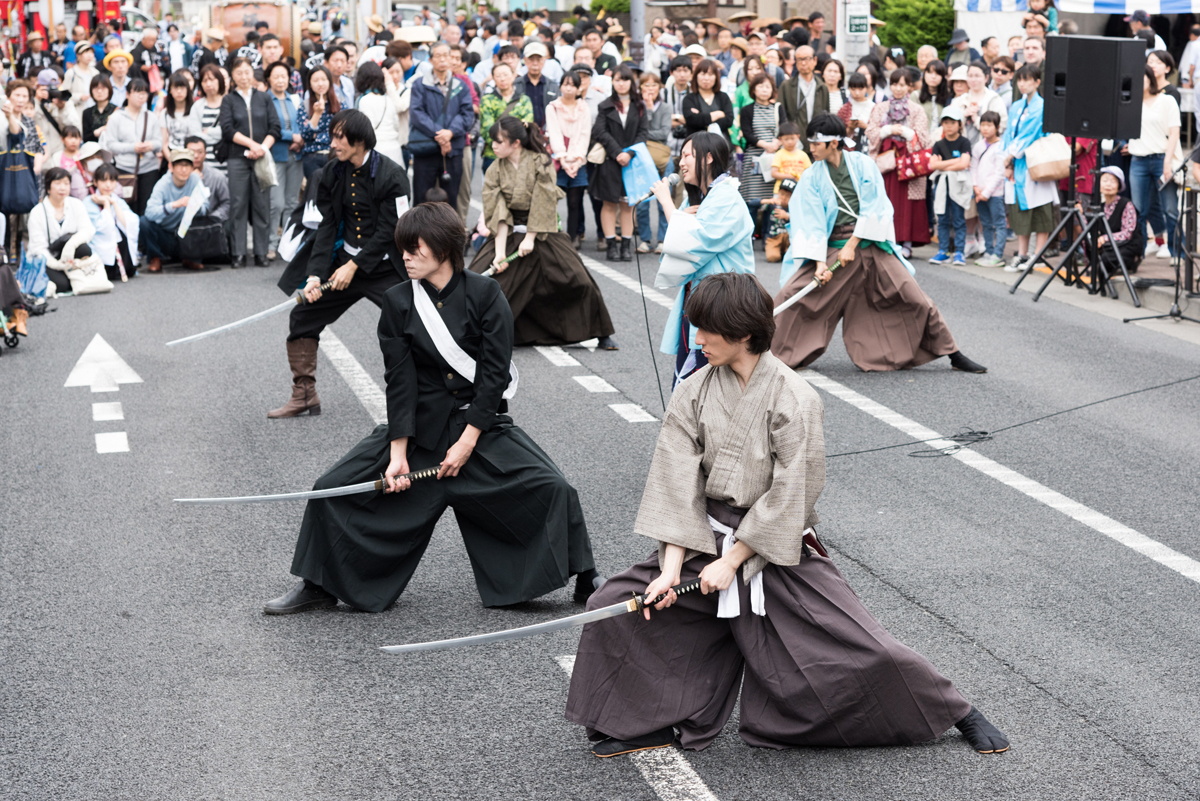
1175 313
1090 218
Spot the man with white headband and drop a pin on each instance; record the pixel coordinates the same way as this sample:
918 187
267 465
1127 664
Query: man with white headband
888 322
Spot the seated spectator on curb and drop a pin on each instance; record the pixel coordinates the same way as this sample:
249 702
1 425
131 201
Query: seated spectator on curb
214 180
115 223
165 209
57 227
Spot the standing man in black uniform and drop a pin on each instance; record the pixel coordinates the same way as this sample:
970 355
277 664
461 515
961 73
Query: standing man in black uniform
360 196
447 340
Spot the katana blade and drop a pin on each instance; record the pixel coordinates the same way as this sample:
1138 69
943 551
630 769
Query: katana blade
335 492
287 305
813 284
635 604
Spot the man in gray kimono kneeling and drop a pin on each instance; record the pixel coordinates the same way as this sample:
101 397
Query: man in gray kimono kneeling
730 499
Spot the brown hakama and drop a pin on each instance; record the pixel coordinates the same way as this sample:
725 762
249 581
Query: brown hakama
888 322
553 297
817 670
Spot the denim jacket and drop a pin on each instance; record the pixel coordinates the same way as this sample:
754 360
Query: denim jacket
289 122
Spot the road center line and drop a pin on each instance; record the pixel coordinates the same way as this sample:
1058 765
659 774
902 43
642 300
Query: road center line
665 769
360 381
594 383
1164 555
557 356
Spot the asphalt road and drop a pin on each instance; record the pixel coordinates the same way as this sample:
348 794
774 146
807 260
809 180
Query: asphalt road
136 663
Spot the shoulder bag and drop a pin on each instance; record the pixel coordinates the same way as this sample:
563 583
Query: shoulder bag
1049 158
420 144
18 187
264 166
129 182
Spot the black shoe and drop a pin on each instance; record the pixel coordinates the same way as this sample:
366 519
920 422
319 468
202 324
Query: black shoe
238 262
587 583
260 261
607 343
662 738
981 734
613 253
303 597
626 245
960 362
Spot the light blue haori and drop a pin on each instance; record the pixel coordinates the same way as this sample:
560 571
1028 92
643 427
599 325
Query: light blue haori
716 239
813 211
1025 128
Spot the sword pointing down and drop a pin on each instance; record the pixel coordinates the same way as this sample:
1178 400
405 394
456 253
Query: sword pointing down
353 489
633 605
287 305
813 284
492 270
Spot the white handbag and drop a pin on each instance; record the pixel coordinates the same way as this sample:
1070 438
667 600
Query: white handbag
88 277
1049 158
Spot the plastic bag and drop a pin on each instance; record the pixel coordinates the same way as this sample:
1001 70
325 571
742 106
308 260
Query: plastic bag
31 275
640 173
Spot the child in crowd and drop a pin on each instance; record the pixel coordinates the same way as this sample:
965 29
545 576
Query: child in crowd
1044 12
987 177
790 159
777 230
951 161
1029 203
857 111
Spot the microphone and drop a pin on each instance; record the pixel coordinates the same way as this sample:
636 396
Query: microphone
672 180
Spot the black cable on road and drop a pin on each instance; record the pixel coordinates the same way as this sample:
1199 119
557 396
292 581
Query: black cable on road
969 437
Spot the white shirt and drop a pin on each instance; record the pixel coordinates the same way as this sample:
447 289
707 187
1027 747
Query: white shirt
807 90
1158 117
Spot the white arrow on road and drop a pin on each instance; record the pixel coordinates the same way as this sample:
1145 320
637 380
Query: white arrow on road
101 369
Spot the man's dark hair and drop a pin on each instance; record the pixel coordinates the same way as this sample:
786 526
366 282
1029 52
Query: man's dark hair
734 306
383 37
985 41
268 37
439 227
398 49
252 37
337 49
194 138
816 15
826 124
515 28
262 23
489 28
506 50
355 126
679 61
436 194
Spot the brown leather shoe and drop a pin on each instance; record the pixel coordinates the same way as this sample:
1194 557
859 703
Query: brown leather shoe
19 318
193 265
154 265
302 357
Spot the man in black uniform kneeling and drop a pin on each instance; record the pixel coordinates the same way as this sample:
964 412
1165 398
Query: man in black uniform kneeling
446 337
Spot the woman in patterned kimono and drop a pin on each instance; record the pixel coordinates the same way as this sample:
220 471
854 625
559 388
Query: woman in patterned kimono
709 234
554 299
730 499
899 124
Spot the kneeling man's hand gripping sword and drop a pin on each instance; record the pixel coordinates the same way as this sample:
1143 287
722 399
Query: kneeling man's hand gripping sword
635 604
813 284
287 305
352 489
490 271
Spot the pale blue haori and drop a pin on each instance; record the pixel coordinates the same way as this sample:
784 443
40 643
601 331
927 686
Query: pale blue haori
109 230
813 211
716 239
1025 128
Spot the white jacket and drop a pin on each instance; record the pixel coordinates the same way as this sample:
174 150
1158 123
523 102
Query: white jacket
44 228
384 113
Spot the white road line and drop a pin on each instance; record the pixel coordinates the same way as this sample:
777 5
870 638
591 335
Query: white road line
557 356
652 295
1165 556
594 383
112 442
633 413
107 411
665 769
1180 563
360 381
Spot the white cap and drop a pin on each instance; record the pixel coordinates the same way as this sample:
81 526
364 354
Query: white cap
959 73
694 50
536 49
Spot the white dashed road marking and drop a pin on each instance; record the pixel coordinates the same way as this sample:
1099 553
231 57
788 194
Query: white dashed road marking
652 295
557 356
594 383
633 413
112 442
107 411
360 381
665 769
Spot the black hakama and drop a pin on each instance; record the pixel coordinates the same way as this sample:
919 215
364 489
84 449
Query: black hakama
816 670
554 299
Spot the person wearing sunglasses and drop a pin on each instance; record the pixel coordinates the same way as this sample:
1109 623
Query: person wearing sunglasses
1002 74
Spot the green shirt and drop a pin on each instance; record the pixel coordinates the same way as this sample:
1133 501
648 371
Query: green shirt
492 107
843 181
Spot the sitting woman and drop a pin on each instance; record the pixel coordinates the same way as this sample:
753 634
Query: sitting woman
553 297
57 227
115 223
1123 220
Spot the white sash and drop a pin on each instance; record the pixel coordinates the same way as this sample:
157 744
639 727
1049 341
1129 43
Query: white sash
728 603
455 356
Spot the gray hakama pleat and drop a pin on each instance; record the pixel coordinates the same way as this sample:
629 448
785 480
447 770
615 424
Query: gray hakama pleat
816 670
521 521
888 322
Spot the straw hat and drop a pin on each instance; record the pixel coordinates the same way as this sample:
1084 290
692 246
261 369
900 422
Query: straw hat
417 34
214 33
125 54
375 23
616 30
713 21
790 21
742 15
741 44
763 22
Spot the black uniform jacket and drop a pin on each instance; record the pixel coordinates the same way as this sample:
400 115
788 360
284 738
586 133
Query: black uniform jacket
389 181
422 389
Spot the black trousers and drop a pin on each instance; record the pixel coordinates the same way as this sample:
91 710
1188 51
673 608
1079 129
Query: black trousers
308 320
427 171
521 521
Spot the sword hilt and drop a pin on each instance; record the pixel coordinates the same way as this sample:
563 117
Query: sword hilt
325 287
678 589
416 475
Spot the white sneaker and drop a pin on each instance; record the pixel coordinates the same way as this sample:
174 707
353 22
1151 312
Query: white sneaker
1151 248
1164 252
1016 265
974 248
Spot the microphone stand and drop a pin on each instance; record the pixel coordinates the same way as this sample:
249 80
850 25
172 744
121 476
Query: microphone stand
1175 313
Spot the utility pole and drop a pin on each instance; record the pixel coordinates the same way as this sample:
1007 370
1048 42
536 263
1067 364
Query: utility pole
637 31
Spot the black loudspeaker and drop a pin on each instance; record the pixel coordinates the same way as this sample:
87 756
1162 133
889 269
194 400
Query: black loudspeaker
1093 86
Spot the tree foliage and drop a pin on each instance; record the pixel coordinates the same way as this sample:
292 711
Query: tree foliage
611 6
912 23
